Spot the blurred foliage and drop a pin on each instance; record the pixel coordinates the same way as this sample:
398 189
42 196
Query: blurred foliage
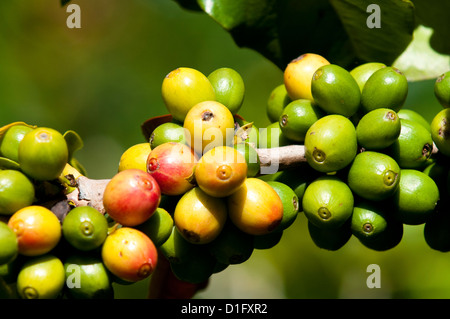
104 80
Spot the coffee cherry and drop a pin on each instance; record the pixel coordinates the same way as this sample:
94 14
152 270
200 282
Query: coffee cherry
416 197
9 244
373 175
135 157
229 88
221 171
9 144
200 217
129 254
41 277
85 228
182 88
87 278
378 129
413 146
171 165
232 246
442 89
255 208
16 191
38 230
440 131
362 72
297 117
328 202
158 227
131 197
43 153
298 75
166 133
277 101
386 87
331 143
335 90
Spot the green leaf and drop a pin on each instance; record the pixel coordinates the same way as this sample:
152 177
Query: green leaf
74 142
381 44
434 14
6 163
420 61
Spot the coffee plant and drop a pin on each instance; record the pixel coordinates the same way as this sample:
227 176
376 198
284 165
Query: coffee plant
207 187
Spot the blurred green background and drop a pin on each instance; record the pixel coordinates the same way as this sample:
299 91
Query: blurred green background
104 81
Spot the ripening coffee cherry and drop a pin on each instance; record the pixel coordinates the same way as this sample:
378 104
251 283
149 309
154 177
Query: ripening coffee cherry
171 165
200 217
131 197
255 208
184 87
37 228
221 171
208 124
129 254
298 75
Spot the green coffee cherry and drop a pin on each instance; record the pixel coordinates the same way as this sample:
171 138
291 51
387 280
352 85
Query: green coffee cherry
335 90
176 249
229 88
435 231
41 277
87 278
416 197
440 131
267 241
442 89
197 268
373 175
9 145
158 227
331 143
362 72
43 153
389 238
378 129
167 132
328 202
414 116
277 101
386 88
251 158
297 117
413 147
9 244
290 203
232 246
368 221
330 239
272 136
16 191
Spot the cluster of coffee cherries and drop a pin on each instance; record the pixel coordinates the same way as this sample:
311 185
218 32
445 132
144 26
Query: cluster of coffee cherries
51 248
204 158
372 164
